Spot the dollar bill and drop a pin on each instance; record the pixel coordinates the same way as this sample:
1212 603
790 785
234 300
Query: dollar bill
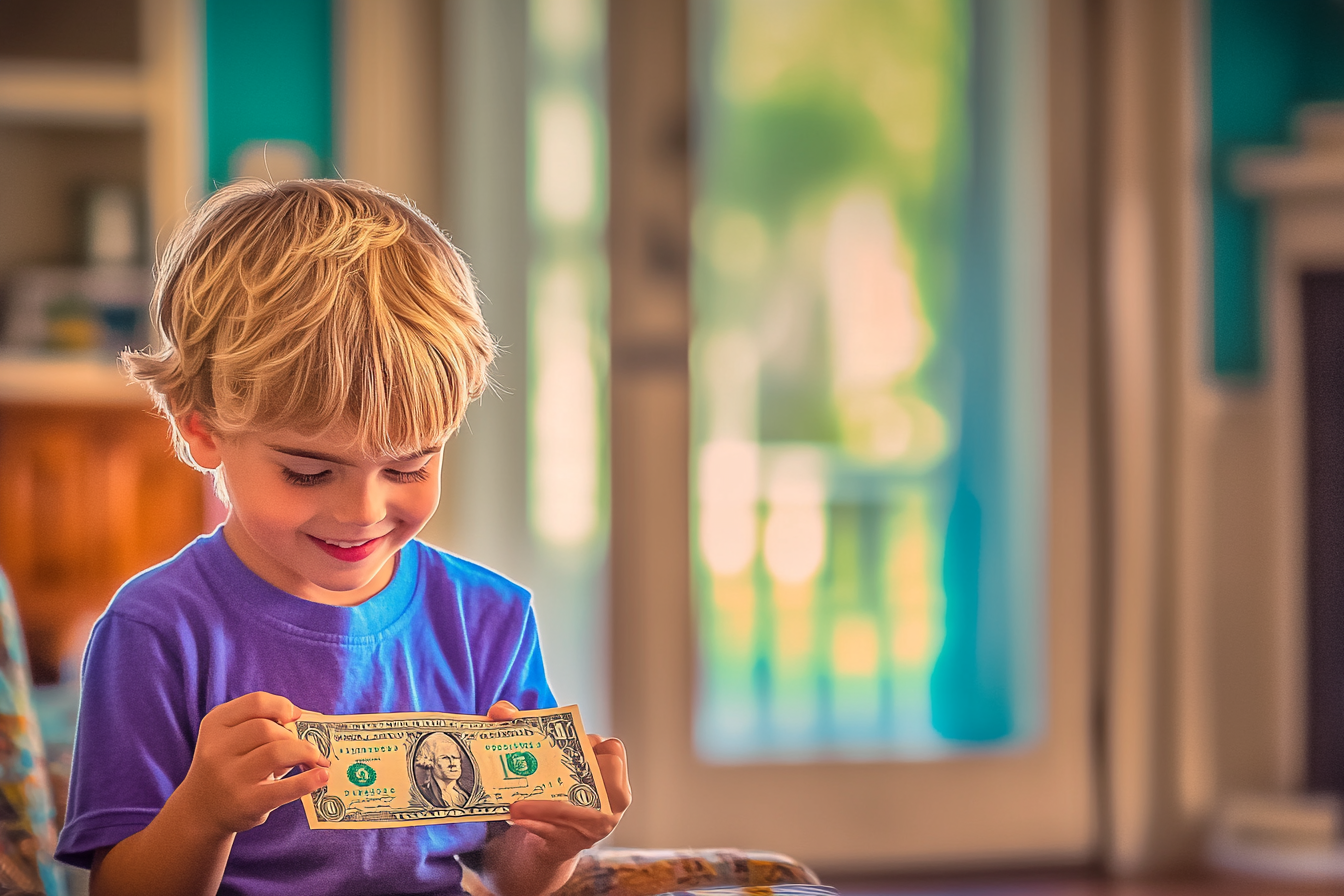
400 769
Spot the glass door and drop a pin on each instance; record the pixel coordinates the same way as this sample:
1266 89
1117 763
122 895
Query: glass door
863 439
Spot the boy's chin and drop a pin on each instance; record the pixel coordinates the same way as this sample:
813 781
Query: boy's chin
352 585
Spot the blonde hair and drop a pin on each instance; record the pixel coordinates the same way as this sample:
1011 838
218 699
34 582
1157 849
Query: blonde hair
307 304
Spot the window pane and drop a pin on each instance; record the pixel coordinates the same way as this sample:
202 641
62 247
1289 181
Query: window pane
866 412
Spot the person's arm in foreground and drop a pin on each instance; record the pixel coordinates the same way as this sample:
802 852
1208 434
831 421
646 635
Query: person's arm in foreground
538 852
234 783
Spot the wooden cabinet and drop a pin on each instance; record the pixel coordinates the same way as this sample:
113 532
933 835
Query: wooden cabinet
89 496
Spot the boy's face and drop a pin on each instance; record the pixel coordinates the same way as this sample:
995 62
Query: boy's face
312 515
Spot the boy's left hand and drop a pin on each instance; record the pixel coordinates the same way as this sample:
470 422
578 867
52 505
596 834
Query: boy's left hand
564 829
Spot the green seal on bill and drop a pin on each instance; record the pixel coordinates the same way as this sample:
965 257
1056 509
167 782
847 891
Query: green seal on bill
521 764
362 775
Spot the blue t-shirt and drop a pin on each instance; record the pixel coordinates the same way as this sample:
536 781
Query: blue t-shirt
445 635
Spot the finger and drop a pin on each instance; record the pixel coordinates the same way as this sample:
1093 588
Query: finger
590 823
571 839
290 753
502 711
617 781
257 705
542 829
285 790
247 736
280 757
609 745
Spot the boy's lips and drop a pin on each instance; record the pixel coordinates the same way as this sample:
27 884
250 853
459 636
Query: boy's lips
353 551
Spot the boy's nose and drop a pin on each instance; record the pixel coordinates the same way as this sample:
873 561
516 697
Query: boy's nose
363 505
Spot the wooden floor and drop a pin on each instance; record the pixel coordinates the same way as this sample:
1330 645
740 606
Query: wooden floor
1052 885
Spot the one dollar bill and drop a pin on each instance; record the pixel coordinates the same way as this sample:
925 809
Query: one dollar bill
393 770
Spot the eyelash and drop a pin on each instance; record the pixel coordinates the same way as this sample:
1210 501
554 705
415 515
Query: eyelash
399 476
304 478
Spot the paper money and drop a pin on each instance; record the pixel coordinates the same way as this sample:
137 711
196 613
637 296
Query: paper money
399 769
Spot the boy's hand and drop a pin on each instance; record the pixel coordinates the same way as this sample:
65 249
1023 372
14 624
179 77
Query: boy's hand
243 752
564 830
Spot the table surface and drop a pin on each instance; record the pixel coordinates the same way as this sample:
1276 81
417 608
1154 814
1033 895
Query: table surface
1081 884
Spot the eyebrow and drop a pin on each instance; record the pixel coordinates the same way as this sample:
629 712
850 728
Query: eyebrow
333 459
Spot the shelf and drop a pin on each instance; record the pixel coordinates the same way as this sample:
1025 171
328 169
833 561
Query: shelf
71 94
73 31
56 380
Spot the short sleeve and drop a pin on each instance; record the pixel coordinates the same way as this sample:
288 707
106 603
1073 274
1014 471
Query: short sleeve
133 745
510 666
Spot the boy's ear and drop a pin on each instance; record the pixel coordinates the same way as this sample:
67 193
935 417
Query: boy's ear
201 439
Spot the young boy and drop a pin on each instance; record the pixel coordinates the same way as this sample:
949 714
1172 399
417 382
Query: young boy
320 340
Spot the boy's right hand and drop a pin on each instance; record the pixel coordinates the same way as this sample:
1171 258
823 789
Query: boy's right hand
243 752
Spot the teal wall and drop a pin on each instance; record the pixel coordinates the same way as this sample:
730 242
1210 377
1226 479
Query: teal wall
268 76
1266 58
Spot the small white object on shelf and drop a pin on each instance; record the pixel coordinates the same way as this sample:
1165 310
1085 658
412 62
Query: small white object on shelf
112 226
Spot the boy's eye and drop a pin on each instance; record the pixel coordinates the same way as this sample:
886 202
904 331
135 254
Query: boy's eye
296 478
419 475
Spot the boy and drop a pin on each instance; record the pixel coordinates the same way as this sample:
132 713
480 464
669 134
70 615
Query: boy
320 340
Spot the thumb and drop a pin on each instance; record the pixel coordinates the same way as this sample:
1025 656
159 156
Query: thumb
287 790
502 711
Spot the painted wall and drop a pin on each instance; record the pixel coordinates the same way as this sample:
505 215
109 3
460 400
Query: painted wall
1266 58
268 77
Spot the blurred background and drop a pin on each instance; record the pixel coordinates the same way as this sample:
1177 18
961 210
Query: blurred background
918 420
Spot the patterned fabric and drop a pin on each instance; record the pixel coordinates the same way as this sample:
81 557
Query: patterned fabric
781 890
647 872
27 816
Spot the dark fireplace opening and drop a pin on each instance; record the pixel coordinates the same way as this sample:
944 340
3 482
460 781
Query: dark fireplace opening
1323 369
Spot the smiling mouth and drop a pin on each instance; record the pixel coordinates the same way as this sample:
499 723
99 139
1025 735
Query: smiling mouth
349 551
349 544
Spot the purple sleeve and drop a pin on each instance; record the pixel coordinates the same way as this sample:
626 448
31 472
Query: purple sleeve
133 745
511 668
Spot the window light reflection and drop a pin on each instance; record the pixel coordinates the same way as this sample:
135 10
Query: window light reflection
727 484
566 157
878 330
565 27
795 530
854 647
564 413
